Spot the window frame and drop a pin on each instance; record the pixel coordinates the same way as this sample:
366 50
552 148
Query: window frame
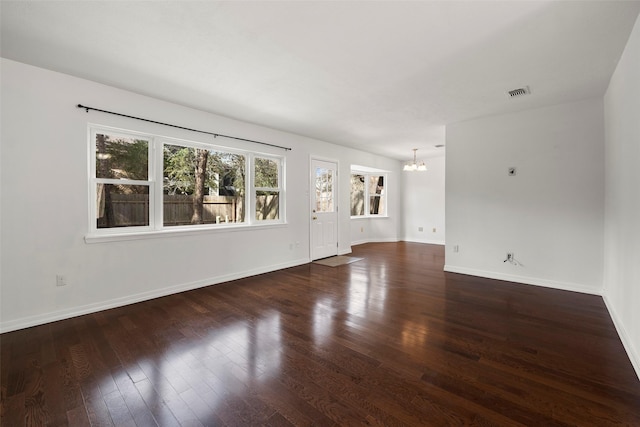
162 141
279 160
94 181
367 195
155 182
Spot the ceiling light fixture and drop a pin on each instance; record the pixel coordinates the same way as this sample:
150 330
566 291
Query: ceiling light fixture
415 165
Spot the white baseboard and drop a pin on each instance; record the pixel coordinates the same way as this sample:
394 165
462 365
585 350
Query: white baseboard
53 316
632 352
359 242
387 239
427 241
566 286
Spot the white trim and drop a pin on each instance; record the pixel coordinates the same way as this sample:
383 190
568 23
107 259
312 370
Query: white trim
178 231
360 242
367 196
93 180
155 175
312 198
632 352
426 241
367 169
279 160
40 319
384 240
370 217
566 286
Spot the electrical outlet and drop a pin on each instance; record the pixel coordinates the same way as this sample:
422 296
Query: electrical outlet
434 229
420 229
61 280
456 249
510 256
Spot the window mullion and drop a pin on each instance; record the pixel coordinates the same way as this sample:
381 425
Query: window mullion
93 194
250 189
367 212
158 179
281 201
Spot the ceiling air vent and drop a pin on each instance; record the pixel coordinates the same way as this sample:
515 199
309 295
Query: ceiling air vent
519 92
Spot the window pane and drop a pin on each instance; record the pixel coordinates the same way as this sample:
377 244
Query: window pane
267 205
202 186
266 173
179 209
324 190
376 205
121 158
122 205
357 195
376 195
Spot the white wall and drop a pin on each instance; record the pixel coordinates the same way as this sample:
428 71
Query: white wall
367 230
622 201
423 203
550 214
44 186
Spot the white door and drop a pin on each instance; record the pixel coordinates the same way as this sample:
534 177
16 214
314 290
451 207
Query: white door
324 212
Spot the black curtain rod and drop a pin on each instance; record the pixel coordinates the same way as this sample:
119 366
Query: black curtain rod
181 127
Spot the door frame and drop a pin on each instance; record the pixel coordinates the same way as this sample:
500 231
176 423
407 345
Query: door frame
312 177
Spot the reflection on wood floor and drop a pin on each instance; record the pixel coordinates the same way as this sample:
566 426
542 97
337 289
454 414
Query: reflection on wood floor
389 340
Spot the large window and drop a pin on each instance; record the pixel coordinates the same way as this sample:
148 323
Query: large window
149 183
368 194
202 186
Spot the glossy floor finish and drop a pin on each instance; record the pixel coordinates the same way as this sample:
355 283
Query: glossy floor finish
388 340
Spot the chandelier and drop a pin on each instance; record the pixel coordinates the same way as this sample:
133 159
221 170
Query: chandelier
415 165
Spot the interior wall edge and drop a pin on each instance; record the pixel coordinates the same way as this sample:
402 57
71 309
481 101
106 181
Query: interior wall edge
632 352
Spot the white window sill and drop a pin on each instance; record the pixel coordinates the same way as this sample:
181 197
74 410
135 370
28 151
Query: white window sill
370 217
175 231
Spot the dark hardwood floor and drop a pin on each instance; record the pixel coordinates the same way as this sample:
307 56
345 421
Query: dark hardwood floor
388 340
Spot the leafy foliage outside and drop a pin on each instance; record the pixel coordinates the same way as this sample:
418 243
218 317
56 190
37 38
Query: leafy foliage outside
122 158
224 172
198 185
267 201
266 175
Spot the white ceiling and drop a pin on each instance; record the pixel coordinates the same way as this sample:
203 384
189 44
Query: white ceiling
382 76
